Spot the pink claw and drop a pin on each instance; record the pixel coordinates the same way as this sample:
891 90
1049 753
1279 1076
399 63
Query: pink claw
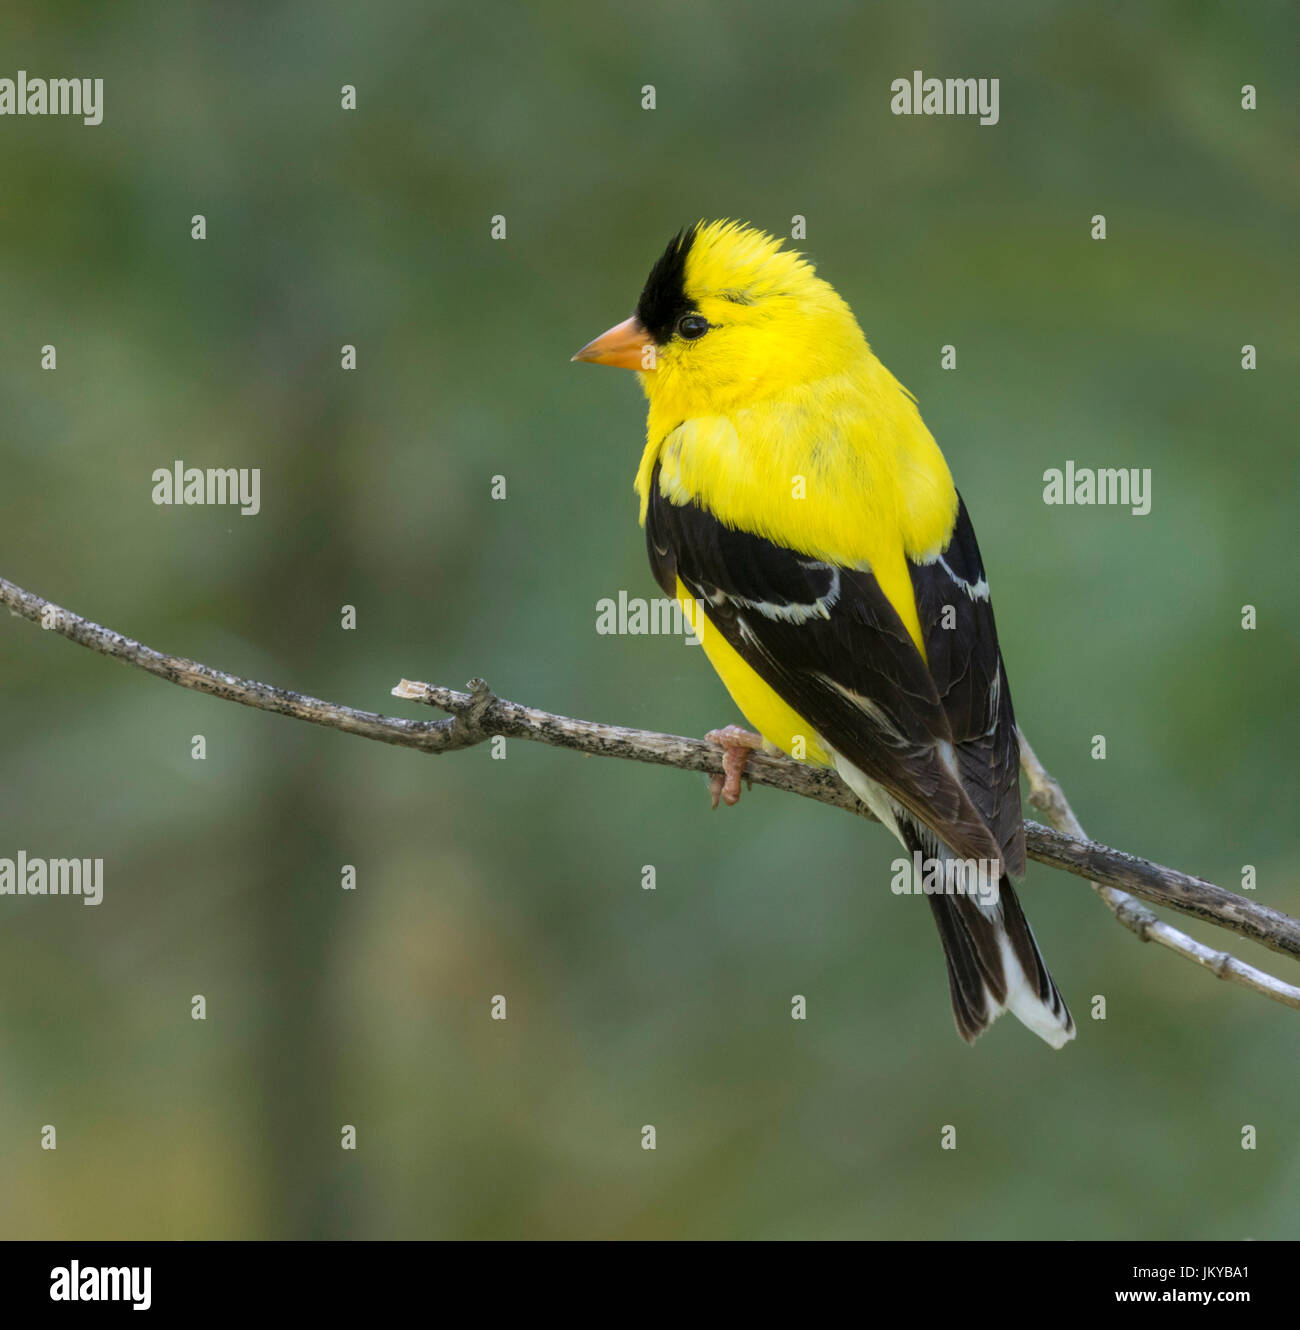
736 744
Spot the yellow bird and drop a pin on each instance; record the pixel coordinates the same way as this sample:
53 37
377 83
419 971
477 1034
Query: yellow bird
797 506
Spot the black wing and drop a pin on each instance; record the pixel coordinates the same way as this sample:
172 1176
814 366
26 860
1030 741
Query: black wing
961 646
828 641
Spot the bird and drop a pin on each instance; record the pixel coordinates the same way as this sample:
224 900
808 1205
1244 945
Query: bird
797 507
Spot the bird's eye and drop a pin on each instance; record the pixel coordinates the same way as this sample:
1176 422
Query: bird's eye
691 326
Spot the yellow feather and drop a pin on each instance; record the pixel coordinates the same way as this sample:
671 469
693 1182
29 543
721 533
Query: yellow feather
777 722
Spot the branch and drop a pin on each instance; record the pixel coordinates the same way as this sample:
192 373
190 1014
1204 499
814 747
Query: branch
1047 796
479 715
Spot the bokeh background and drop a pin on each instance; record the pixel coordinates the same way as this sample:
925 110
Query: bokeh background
522 876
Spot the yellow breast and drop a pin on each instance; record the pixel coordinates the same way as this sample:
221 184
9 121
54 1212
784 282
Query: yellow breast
777 722
844 470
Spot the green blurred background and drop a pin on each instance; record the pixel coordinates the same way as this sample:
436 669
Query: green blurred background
522 877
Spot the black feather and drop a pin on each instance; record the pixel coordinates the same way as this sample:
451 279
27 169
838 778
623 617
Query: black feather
972 948
961 648
663 299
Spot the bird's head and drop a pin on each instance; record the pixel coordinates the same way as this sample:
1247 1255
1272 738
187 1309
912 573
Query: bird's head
726 317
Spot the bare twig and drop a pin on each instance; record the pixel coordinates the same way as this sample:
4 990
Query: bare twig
478 715
1048 797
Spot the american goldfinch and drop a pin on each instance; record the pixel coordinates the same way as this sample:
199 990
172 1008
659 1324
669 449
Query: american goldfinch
798 508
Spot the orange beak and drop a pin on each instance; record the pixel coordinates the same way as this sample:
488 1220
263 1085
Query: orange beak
626 345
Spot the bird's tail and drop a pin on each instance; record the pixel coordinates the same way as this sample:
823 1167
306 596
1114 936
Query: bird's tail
994 964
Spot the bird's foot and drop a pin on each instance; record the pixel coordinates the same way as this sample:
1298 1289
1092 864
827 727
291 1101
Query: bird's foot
736 744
